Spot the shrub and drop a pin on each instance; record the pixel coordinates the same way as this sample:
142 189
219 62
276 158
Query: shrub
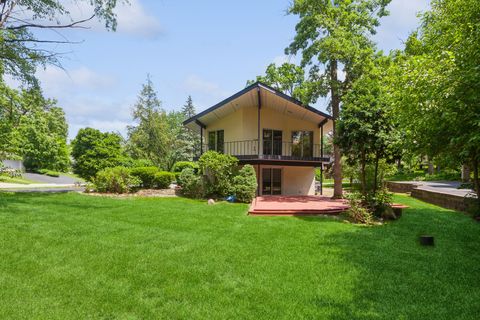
192 184
115 180
180 165
218 170
379 203
357 212
49 173
163 179
146 175
245 184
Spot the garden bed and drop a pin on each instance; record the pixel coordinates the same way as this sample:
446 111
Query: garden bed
145 193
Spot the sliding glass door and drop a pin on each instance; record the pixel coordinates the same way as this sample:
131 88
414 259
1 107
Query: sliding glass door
272 142
271 181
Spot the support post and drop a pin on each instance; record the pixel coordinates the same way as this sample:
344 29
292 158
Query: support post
321 141
201 141
321 179
258 118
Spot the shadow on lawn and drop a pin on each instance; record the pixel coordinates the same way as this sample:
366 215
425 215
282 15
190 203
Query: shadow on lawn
395 277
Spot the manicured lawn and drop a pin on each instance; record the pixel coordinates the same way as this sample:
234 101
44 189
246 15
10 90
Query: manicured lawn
66 256
19 180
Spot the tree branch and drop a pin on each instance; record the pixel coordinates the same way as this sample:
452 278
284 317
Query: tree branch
71 25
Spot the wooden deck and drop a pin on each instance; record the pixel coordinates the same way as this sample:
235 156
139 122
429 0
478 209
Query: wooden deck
296 205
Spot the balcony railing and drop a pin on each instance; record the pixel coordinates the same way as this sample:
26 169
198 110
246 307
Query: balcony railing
270 150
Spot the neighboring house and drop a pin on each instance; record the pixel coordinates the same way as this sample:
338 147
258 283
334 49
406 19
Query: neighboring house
275 133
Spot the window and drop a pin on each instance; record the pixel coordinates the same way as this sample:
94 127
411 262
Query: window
216 141
272 142
302 144
271 181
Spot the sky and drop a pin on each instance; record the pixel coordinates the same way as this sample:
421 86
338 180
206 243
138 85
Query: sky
206 49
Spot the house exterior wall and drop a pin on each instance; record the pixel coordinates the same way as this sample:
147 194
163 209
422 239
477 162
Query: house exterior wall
295 180
242 125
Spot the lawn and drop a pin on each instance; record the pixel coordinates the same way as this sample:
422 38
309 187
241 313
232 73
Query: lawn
66 256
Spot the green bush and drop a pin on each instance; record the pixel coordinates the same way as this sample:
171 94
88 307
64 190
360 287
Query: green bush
245 184
357 212
180 165
115 180
146 176
218 171
49 173
163 179
192 184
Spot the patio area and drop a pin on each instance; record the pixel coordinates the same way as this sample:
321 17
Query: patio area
296 205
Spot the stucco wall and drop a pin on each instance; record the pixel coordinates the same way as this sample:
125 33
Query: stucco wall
295 180
242 125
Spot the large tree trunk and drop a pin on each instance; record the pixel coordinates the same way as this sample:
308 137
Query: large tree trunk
337 165
476 181
465 173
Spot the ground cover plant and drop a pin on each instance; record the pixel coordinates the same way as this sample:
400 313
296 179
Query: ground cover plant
77 256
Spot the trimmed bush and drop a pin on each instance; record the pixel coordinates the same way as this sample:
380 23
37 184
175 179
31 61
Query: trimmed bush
218 170
181 165
192 184
146 176
49 173
115 180
163 179
245 184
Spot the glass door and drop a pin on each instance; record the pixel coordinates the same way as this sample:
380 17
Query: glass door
272 142
271 181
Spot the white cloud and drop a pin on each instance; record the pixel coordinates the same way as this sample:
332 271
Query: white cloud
56 81
132 18
196 83
396 27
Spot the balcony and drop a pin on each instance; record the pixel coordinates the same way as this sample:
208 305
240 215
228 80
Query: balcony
273 152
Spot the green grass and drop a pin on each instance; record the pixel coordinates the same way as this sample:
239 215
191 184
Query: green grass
65 256
19 180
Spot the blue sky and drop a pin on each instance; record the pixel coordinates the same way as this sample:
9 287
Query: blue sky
207 49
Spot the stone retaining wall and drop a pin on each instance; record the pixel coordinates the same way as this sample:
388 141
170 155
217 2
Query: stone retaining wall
444 200
400 187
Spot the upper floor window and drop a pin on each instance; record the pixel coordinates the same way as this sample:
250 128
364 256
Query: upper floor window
216 141
302 144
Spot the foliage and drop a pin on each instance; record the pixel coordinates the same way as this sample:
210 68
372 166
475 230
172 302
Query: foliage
357 212
435 84
94 150
331 34
181 165
218 170
21 50
191 183
34 128
147 176
159 136
289 79
49 173
245 184
115 180
366 130
163 179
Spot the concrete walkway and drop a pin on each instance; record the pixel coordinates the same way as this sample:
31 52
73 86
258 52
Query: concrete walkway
41 178
39 187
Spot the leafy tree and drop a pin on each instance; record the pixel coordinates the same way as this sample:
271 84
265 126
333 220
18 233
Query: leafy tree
289 79
34 128
330 35
440 84
366 129
160 136
21 51
94 150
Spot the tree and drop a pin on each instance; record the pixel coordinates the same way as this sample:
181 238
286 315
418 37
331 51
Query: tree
191 139
188 109
289 79
365 129
332 34
21 51
94 150
33 128
159 136
440 84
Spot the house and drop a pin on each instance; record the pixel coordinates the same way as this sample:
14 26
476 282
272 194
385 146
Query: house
270 130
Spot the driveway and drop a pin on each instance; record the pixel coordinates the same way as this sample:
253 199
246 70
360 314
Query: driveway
41 178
